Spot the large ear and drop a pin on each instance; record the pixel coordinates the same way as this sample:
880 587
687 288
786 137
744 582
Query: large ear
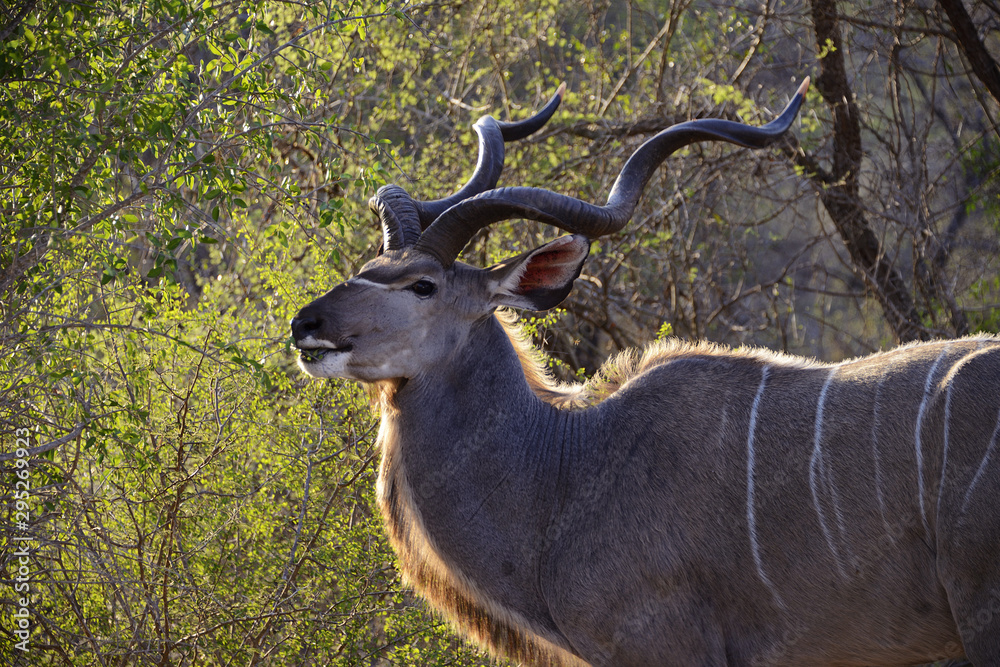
541 278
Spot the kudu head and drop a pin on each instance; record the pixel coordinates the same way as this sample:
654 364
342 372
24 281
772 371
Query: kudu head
411 308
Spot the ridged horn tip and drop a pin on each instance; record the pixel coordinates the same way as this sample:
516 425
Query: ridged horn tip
803 87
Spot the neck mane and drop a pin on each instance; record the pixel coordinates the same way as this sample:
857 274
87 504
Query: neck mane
438 490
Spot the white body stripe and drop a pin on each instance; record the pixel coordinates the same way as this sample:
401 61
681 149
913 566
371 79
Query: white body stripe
917 443
944 446
817 470
877 459
947 424
982 466
751 518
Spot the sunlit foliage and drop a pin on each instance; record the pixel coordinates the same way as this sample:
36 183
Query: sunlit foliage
178 177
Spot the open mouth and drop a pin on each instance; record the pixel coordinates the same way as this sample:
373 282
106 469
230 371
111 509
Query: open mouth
313 354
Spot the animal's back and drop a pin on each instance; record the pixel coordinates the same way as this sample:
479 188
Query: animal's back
811 503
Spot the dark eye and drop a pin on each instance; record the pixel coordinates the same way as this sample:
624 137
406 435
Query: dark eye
423 288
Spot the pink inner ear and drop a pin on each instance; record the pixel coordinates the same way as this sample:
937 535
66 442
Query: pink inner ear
552 267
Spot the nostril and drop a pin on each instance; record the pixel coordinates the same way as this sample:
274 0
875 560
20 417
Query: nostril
305 326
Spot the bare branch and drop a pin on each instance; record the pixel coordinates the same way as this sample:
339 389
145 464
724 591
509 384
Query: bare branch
48 446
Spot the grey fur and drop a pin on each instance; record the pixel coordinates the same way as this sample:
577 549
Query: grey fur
691 505
618 531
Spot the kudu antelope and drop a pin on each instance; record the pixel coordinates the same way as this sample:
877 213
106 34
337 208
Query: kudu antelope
690 505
